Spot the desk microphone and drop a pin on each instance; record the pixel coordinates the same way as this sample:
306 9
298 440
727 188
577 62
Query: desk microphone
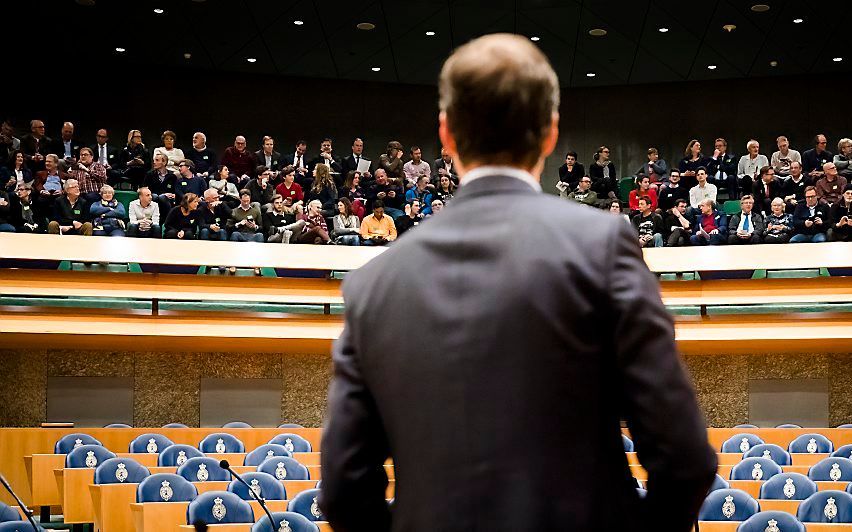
227 467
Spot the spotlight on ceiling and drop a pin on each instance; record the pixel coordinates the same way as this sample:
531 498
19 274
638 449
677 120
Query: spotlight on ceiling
837 59
366 26
376 69
711 67
663 30
535 39
729 27
597 32
159 11
187 55
773 64
590 74
120 50
251 59
298 22
430 33
760 8
798 20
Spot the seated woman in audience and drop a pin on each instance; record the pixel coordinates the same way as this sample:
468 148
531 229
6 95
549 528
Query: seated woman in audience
15 172
603 175
643 184
840 228
779 224
134 161
23 215
324 190
281 224
614 206
346 224
352 190
174 155
445 189
571 172
246 222
182 223
5 213
692 160
108 214
316 230
844 157
227 190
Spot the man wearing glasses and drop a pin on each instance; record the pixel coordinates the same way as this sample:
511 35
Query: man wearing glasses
187 181
71 213
261 188
810 219
36 145
813 159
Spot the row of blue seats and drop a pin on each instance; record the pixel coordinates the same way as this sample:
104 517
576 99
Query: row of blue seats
229 425
833 468
152 443
806 443
829 506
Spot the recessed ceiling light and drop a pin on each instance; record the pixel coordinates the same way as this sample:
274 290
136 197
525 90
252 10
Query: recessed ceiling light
376 69
158 11
760 8
120 50
590 75
366 26
798 20
251 59
187 55
298 22
729 27
837 59
773 63
597 32
711 67
663 30
430 33
535 39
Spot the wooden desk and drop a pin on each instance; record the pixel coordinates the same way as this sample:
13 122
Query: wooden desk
158 516
763 257
757 291
74 493
111 506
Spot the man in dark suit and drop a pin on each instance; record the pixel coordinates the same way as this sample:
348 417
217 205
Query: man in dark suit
766 189
267 156
107 155
510 418
67 146
350 163
325 157
36 146
444 166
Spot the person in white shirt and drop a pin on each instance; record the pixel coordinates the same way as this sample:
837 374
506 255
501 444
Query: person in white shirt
144 216
784 157
702 191
746 227
174 155
415 168
750 165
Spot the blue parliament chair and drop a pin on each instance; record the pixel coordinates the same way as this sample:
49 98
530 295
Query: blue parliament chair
175 455
165 487
755 469
771 520
221 442
267 450
844 450
66 443
219 507
835 469
745 426
769 450
284 468
719 483
175 426
203 469
788 487
87 456
845 426
118 426
740 443
7 513
120 470
292 442
236 425
811 443
628 444
285 521
18 526
788 426
306 503
728 505
829 506
290 426
149 443
263 484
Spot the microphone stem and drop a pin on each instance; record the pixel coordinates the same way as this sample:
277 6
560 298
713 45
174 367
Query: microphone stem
27 511
260 500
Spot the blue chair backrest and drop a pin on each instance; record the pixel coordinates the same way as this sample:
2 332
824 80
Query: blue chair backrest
165 487
844 450
87 456
263 484
292 442
294 522
267 450
745 426
719 483
290 426
66 443
740 443
829 506
755 469
175 426
845 426
788 486
236 425
120 470
763 521
284 468
832 468
221 442
175 455
203 469
149 443
811 443
305 503
7 513
18 526
319 484
628 444
219 507
769 450
118 426
788 426
728 505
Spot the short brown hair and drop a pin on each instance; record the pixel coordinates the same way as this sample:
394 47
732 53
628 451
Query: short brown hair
499 94
747 196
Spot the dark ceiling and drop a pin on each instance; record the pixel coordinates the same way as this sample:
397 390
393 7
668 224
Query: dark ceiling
221 35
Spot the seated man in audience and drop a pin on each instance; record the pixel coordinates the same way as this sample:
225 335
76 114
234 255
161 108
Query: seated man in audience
300 163
779 224
416 168
144 216
421 193
811 219
583 193
391 196
6 213
412 217
444 166
750 165
108 214
187 181
377 229
722 168
267 156
570 172
67 146
831 186
71 212
246 221
213 215
391 163
746 227
711 226
261 188
643 183
648 224
239 161
437 206
766 189
843 160
656 169
669 194
22 213
351 163
47 186
281 223
841 218
794 187
107 155
677 224
327 158
36 145
203 157
91 175
162 184
815 158
9 143
784 157
702 191
291 191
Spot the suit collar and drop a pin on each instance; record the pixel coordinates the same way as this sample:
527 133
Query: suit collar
492 184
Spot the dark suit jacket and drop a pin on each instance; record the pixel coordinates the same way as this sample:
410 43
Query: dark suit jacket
334 164
762 201
276 160
509 419
58 147
436 177
112 154
347 165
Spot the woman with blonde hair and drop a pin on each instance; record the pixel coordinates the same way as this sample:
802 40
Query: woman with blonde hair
134 161
316 230
324 190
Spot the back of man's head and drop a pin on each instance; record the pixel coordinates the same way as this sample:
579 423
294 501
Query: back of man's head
500 96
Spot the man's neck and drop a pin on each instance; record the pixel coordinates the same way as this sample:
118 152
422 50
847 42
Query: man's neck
144 205
73 200
796 179
645 214
202 148
162 171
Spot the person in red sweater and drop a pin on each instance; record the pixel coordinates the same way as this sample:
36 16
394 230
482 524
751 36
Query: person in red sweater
644 184
240 161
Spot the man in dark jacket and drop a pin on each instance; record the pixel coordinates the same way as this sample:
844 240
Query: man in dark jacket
841 218
213 217
748 226
811 219
71 212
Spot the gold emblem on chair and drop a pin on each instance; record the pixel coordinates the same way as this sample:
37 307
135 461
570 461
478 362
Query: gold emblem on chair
255 487
830 510
220 446
152 446
315 511
121 473
280 471
78 443
270 453
812 445
745 445
288 445
789 488
219 509
767 454
91 459
835 472
285 526
757 472
728 508
202 475
773 526
181 457
166 491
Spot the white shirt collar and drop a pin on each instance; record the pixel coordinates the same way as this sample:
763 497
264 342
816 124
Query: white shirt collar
508 171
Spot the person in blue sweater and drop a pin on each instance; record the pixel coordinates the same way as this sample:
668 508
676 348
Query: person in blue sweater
421 193
108 214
